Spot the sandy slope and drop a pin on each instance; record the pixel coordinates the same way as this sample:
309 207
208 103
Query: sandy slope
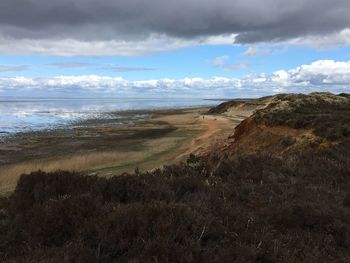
216 131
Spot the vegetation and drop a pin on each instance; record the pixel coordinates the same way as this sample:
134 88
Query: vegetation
327 114
255 208
225 106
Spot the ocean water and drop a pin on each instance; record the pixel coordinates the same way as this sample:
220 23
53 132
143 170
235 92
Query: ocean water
22 115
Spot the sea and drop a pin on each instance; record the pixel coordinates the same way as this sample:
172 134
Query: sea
19 115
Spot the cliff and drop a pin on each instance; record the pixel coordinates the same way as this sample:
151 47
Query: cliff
289 124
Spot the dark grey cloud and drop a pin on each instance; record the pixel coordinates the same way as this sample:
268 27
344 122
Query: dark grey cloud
7 68
93 20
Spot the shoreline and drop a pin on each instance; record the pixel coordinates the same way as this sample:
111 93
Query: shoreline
118 115
104 149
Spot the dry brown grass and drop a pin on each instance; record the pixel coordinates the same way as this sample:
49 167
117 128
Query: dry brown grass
10 174
106 161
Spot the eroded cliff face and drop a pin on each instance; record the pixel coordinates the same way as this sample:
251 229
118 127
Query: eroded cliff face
287 125
251 137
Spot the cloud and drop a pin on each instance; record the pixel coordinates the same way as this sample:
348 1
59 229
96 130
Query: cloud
76 47
340 38
7 68
222 62
266 51
126 68
322 72
250 52
219 61
71 64
322 75
115 27
236 66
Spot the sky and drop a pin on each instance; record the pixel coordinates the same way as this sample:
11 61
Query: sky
183 48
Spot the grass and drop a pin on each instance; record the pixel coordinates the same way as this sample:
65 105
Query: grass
9 175
155 154
100 162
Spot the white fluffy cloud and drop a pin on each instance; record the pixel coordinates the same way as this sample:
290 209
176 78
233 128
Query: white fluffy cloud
322 75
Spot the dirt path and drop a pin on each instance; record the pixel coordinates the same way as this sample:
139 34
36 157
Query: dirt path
217 129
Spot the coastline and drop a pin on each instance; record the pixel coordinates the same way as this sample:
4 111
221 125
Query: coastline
100 147
58 116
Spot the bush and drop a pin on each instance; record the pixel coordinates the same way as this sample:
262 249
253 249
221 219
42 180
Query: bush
327 114
256 208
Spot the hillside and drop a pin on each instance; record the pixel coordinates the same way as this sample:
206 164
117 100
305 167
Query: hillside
240 109
277 191
289 124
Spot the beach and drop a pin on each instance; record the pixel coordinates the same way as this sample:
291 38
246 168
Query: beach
106 148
